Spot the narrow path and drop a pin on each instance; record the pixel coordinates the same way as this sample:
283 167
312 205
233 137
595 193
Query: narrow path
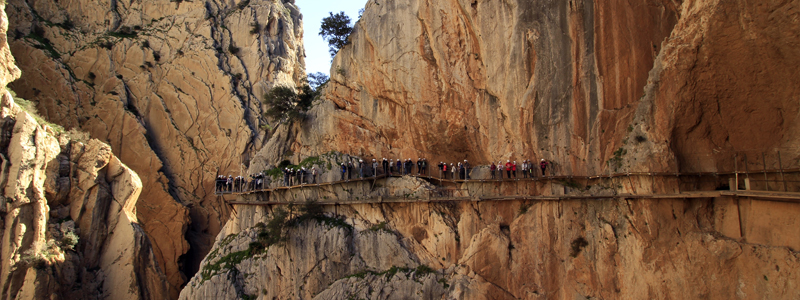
763 195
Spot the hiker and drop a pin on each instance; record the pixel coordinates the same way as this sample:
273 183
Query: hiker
399 167
514 169
525 168
531 169
466 169
443 170
344 171
460 171
386 170
302 176
543 164
492 169
500 169
374 170
349 170
452 172
408 166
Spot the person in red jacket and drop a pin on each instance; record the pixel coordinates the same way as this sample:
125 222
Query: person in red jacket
508 169
543 164
514 169
493 168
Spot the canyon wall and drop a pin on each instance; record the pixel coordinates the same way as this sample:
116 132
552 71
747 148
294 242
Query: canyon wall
721 90
173 86
593 86
69 225
488 81
572 249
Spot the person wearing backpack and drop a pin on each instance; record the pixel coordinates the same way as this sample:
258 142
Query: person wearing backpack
543 164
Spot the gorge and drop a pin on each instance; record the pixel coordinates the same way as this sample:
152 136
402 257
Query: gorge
170 94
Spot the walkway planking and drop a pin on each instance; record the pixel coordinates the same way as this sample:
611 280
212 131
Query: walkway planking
763 195
378 200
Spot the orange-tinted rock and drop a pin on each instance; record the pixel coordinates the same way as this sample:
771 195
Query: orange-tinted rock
173 87
452 80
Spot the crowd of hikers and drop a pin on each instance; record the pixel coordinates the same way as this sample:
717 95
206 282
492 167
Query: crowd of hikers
360 169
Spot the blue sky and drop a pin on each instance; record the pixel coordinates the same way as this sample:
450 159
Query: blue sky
317 57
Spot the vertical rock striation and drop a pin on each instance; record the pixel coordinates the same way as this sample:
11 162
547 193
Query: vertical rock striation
173 86
69 218
572 249
51 189
487 80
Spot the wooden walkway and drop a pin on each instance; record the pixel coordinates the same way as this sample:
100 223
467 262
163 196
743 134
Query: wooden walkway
379 200
441 181
761 195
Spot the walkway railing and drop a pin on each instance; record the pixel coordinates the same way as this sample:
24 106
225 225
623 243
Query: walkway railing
743 170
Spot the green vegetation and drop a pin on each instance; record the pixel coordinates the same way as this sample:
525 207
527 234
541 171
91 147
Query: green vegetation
30 108
69 241
317 80
380 227
335 29
443 282
37 34
420 271
524 208
570 184
276 173
286 105
274 232
312 210
616 161
226 262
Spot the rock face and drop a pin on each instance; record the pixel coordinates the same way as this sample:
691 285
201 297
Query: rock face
602 86
593 86
487 80
173 86
721 84
611 249
69 218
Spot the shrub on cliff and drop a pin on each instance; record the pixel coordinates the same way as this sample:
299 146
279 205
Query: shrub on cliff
286 105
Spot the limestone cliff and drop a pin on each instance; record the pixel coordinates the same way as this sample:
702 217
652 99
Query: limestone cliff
593 86
719 248
173 86
488 80
69 227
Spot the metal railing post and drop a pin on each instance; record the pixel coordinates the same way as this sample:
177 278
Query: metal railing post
780 167
736 169
746 173
764 164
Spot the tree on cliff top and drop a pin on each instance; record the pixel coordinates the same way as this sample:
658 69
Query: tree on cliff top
335 29
286 105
